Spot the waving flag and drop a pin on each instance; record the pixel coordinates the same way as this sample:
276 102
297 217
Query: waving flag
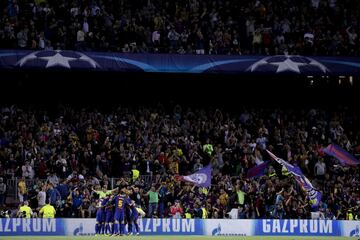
258 170
313 194
200 178
343 156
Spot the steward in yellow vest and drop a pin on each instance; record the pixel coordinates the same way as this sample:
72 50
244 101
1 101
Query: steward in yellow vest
135 173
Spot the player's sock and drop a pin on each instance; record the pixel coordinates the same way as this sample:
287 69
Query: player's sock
122 228
130 227
96 228
137 227
116 228
102 228
107 228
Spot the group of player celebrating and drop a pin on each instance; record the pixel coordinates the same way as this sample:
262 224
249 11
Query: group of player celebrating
115 209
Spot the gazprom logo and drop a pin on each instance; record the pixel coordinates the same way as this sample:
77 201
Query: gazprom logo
80 231
294 226
217 231
355 232
28 225
167 225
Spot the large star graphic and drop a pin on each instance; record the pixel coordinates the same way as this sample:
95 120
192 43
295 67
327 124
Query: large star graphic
58 60
288 65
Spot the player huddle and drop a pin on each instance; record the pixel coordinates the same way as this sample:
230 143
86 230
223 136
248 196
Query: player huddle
114 211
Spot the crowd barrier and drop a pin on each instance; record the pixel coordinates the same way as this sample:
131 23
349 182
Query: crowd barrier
210 227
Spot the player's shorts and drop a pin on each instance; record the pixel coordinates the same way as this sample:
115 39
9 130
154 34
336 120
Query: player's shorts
100 216
128 215
109 218
119 216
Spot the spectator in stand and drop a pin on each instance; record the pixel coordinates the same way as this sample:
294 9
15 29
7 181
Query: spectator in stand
198 213
224 198
153 201
320 169
53 195
163 192
22 190
41 196
63 189
176 210
279 205
2 192
53 179
136 196
27 170
77 201
257 42
22 38
173 37
75 177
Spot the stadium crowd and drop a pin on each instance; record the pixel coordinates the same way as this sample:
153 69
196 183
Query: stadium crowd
320 27
71 154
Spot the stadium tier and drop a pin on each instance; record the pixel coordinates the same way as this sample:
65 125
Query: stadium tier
193 27
76 158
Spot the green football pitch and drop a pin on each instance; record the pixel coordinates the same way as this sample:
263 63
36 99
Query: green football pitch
174 238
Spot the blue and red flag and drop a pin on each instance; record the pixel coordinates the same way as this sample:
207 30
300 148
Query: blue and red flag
343 156
313 194
258 170
201 178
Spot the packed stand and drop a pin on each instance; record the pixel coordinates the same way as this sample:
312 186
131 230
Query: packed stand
312 27
70 157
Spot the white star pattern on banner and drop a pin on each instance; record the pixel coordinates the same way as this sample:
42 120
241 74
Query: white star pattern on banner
288 64
58 59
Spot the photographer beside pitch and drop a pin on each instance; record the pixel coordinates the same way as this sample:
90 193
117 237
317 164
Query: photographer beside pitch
25 211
